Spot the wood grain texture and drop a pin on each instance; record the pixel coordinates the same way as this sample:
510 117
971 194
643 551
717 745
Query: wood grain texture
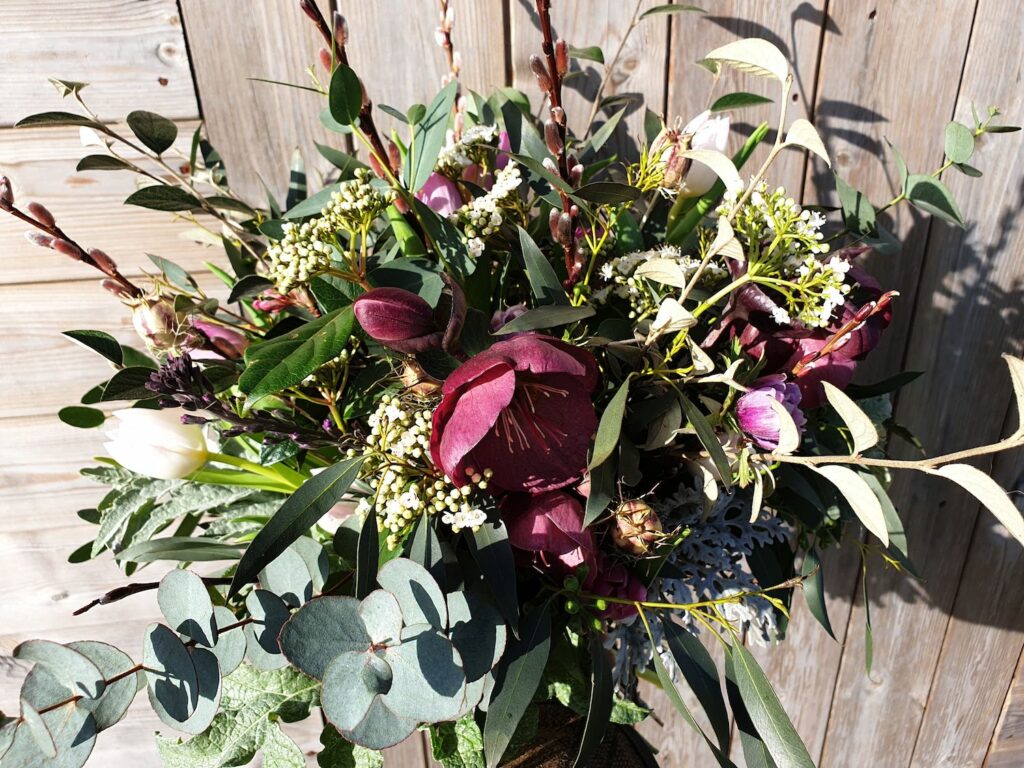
794 26
640 69
132 54
1007 747
256 125
88 206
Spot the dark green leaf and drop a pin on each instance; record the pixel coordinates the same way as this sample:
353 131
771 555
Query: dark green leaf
608 192
901 167
425 549
180 549
170 676
602 134
186 605
100 342
429 136
968 170
477 630
367 556
345 95
314 204
959 142
708 438
295 517
129 384
884 387
600 709
610 427
162 197
155 131
602 490
346 164
415 275
250 285
101 163
766 712
1002 129
73 670
333 293
858 213
550 316
698 669
516 681
931 195
285 361
225 203
738 101
297 188
755 753
493 554
659 9
60 118
869 637
814 589
82 417
543 280
448 241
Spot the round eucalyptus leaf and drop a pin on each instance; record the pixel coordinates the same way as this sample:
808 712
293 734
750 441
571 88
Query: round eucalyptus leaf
38 730
417 593
8 727
208 677
477 629
428 683
230 647
381 728
382 616
186 605
322 629
170 676
315 557
269 613
351 683
288 577
74 671
474 694
74 734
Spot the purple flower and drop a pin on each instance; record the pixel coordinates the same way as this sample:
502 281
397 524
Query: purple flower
550 525
756 416
440 195
228 342
503 317
521 409
398 319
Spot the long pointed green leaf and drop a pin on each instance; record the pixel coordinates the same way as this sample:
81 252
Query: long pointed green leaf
600 709
610 427
698 669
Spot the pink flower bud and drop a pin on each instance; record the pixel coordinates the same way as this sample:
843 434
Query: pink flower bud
39 238
156 323
41 214
561 57
440 195
398 319
552 137
540 71
325 59
226 341
558 115
114 287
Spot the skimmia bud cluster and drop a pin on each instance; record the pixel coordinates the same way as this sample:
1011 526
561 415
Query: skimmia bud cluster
404 481
482 216
308 249
643 296
476 146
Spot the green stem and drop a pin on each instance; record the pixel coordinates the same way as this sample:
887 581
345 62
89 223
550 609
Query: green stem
276 472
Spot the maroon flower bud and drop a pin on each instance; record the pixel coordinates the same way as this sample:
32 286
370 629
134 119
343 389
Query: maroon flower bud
394 157
325 59
67 248
39 238
637 527
541 73
309 9
561 57
6 193
41 214
552 137
226 341
114 287
398 319
564 236
103 261
340 29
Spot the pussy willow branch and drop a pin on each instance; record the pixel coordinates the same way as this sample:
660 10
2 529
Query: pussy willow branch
449 48
135 669
919 464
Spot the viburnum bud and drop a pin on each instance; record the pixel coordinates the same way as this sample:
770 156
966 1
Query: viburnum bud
541 73
41 214
637 527
561 57
39 238
417 381
103 261
156 323
552 137
6 193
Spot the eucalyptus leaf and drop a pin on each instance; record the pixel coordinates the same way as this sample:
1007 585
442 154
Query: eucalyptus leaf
859 496
862 429
428 682
230 646
417 593
367 556
186 605
33 723
698 669
602 687
269 614
959 142
858 213
321 630
170 676
352 681
477 630
988 492
932 196
209 691
814 589
288 577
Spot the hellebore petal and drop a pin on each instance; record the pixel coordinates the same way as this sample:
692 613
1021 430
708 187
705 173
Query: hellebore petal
398 319
440 194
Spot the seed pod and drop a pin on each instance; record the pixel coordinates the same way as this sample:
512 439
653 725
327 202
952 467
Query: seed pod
553 138
156 322
667 151
418 382
540 71
41 214
637 527
103 261
39 238
561 57
67 248
6 193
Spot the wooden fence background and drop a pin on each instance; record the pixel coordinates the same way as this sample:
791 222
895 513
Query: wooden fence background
946 687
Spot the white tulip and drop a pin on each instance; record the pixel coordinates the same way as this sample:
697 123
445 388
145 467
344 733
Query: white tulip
708 133
156 443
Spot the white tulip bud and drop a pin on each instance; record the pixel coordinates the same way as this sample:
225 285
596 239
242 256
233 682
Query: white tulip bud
156 444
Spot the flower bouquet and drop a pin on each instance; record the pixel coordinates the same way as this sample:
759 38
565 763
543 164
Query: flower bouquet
490 428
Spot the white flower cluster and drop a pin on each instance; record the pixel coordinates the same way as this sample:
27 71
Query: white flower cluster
474 146
774 218
308 249
823 290
620 281
405 483
481 216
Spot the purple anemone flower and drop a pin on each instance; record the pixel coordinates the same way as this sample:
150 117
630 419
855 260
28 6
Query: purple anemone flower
756 416
521 409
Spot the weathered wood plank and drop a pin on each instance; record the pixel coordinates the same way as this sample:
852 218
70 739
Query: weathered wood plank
380 29
794 26
640 68
88 206
966 312
256 125
133 55
1007 749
